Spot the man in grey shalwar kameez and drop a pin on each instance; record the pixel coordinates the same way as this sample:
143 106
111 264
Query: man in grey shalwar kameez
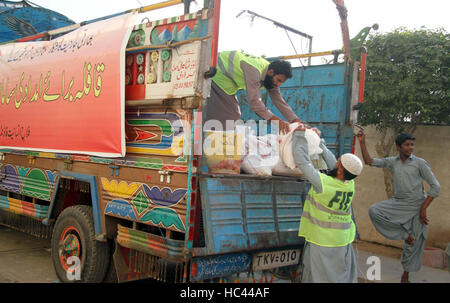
326 222
403 217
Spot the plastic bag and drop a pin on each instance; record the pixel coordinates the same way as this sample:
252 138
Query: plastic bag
261 154
272 155
285 141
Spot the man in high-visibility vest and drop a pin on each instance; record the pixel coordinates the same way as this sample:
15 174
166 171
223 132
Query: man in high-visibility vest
326 221
236 71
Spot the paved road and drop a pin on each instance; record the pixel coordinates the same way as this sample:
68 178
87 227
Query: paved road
27 259
24 258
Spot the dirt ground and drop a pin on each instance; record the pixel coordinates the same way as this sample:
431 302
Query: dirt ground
388 251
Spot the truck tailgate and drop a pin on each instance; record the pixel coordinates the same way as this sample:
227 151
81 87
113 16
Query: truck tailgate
249 213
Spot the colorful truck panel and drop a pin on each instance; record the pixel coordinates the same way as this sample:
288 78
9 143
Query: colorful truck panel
117 166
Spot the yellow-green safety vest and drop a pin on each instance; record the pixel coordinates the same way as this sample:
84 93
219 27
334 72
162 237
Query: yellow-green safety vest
229 76
327 218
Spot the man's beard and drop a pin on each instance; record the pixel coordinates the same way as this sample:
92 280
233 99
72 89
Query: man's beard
332 172
268 82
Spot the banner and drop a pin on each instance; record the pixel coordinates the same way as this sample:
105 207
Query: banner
68 94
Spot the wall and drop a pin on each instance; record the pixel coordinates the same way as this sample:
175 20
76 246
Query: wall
433 145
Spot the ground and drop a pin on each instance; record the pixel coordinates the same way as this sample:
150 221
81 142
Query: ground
379 249
26 259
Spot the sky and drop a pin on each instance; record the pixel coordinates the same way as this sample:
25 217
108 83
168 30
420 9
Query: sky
317 18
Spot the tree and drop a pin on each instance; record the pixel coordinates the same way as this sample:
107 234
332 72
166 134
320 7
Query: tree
407 84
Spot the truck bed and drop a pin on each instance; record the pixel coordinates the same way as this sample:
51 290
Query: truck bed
244 212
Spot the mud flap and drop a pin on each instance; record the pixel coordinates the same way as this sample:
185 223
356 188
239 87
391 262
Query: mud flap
121 259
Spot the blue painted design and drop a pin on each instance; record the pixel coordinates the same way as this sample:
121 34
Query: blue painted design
165 216
120 208
51 176
166 142
23 171
182 159
220 266
4 202
19 20
200 29
12 180
183 34
164 197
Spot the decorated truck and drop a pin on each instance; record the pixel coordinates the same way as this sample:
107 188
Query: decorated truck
101 151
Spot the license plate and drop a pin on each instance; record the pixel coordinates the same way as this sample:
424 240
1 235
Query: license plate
267 260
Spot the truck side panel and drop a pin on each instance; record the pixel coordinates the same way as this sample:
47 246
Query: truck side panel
243 213
319 95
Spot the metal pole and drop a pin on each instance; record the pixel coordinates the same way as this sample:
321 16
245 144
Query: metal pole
285 27
310 50
309 55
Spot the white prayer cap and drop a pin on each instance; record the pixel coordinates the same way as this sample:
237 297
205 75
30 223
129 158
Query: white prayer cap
352 163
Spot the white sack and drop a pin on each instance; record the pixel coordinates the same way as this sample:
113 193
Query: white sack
285 141
261 154
272 155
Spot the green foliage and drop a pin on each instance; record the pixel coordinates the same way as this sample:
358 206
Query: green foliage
407 79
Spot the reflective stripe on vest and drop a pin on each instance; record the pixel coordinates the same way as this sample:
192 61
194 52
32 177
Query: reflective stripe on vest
230 76
324 224
230 71
326 218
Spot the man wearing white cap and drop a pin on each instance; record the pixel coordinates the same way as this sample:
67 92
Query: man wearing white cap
326 221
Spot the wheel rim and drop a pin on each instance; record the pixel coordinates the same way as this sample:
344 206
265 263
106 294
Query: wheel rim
69 246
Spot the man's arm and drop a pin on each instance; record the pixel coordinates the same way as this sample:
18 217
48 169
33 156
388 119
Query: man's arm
362 144
253 89
428 176
381 163
435 187
253 86
301 157
281 104
327 155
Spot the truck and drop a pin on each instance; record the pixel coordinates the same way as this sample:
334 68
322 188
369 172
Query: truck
101 152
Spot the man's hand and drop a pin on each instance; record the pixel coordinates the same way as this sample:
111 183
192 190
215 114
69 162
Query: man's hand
423 216
423 210
301 127
283 126
361 136
317 131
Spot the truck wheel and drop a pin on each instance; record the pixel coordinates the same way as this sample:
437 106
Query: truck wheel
76 255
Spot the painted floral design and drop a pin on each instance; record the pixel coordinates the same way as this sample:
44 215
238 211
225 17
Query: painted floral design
165 196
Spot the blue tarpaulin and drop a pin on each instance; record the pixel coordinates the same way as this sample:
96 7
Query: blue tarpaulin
21 19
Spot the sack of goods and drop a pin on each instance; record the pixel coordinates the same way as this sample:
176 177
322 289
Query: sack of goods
223 152
272 155
261 154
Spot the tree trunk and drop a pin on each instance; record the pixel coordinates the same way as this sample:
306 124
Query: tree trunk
388 183
384 148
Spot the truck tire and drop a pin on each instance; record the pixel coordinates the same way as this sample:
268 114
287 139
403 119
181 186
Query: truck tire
76 255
